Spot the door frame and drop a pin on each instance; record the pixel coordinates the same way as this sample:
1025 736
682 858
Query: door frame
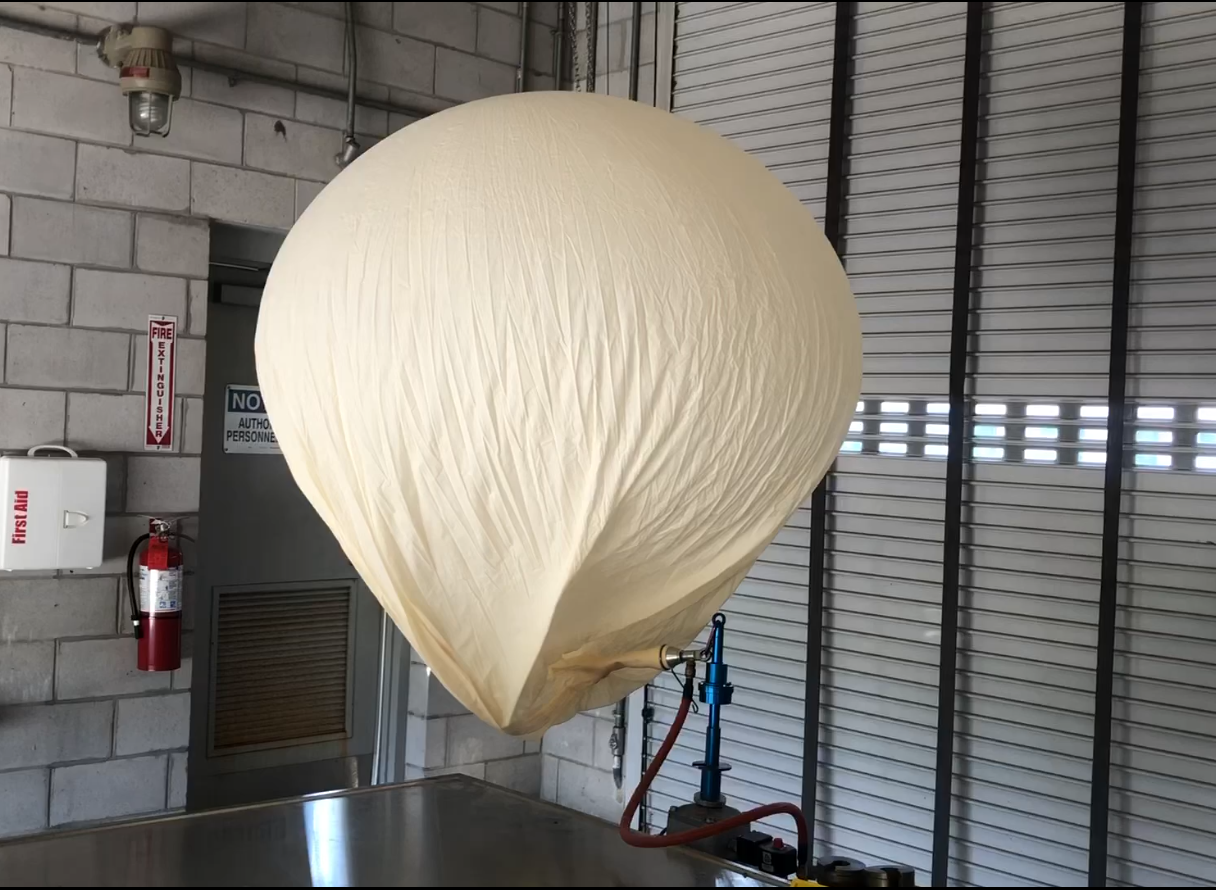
240 277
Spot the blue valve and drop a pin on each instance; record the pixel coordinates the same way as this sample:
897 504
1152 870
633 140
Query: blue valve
715 692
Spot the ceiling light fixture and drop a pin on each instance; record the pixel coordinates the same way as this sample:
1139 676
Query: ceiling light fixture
148 75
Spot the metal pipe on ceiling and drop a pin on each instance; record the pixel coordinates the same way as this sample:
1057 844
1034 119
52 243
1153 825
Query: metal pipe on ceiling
352 49
350 146
521 71
635 46
233 74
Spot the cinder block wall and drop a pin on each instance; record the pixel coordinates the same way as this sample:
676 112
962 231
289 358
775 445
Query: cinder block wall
443 737
576 766
576 762
97 230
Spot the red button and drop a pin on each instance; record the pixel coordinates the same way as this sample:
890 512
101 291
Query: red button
778 843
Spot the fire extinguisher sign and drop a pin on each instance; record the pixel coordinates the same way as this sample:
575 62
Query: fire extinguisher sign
161 383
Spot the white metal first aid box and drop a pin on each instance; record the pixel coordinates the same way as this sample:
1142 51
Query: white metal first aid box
54 510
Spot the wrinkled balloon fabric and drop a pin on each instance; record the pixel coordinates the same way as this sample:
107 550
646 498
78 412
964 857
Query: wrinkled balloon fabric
555 369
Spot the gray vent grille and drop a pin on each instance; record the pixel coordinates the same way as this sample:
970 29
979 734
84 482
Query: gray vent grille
281 667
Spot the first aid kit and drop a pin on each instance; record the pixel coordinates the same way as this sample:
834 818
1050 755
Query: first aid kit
54 510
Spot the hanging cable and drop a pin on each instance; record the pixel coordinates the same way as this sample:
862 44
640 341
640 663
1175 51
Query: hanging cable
350 146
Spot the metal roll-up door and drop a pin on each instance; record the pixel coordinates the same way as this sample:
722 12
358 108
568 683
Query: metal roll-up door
1036 437
1039 359
1046 208
884 547
1163 757
761 74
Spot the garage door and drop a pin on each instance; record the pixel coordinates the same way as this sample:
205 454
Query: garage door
1038 362
1038 369
1163 773
884 546
761 74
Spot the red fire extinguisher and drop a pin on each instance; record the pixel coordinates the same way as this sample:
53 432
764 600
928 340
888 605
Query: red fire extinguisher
156 612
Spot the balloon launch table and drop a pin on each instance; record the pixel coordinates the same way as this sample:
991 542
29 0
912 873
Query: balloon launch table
449 832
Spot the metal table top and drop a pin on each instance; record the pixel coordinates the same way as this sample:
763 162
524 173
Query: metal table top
449 832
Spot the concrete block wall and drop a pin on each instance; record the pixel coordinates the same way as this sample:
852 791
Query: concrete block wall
443 737
97 230
576 766
576 761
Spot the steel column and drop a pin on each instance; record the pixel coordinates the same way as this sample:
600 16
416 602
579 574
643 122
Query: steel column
1125 187
956 457
833 218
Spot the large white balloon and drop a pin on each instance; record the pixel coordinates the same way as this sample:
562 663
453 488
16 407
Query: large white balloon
555 369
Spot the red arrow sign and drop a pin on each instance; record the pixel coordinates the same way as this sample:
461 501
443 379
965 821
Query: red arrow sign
161 383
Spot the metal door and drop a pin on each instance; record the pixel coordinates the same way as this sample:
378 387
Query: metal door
287 636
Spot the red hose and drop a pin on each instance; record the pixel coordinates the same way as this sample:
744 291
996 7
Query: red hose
641 839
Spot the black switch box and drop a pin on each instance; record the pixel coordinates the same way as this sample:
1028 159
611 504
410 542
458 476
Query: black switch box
747 847
762 851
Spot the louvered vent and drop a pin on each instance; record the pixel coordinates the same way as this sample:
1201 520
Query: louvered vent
282 667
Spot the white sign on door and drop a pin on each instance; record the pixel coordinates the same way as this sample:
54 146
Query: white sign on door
246 426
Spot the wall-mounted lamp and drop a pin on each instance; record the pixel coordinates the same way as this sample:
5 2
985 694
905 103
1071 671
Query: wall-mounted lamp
148 75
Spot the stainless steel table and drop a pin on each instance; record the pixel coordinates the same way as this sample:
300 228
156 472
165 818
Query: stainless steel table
449 832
